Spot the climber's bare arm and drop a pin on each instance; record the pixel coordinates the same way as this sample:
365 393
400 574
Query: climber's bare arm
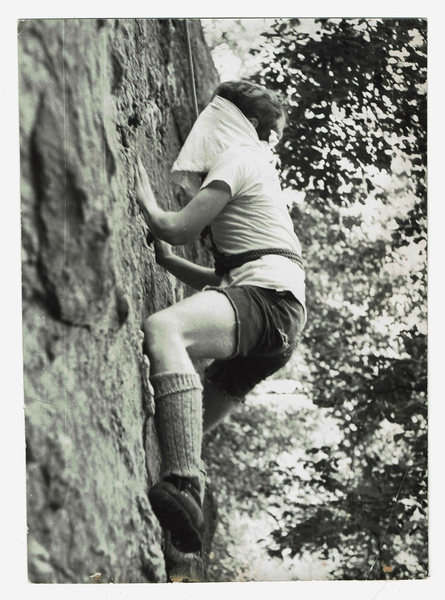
185 225
191 274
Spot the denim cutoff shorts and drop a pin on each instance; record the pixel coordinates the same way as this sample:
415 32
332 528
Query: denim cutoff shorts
268 327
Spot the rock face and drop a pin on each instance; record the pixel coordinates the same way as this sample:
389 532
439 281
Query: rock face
93 95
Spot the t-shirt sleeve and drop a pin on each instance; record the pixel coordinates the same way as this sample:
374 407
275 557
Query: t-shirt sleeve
232 168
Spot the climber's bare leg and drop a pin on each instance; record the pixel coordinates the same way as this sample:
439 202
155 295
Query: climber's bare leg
217 405
201 326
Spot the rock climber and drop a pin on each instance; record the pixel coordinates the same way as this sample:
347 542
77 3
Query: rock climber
248 314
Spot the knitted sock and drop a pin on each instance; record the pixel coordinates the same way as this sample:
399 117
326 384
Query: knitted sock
178 417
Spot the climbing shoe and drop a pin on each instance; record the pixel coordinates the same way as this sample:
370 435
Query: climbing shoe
176 503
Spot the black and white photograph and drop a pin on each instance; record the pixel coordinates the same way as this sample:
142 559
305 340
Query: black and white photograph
223 226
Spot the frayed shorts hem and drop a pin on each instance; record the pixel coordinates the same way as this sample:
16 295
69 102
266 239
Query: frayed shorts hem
268 327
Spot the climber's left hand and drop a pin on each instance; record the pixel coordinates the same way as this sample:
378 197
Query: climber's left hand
163 252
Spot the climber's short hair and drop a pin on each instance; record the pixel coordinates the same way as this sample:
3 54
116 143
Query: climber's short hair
254 101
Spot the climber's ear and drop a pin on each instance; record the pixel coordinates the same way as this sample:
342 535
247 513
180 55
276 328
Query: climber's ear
254 122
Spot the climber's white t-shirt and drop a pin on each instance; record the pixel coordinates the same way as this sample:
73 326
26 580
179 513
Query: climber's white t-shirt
255 217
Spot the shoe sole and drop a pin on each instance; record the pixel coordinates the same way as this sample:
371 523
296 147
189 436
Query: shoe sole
185 536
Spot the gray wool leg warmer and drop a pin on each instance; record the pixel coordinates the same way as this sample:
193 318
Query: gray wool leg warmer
178 417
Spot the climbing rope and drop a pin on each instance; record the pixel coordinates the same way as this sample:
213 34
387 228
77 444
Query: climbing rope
191 68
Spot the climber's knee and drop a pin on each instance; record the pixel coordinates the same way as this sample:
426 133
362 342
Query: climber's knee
161 332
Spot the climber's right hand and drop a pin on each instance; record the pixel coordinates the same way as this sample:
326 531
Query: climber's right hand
163 252
144 192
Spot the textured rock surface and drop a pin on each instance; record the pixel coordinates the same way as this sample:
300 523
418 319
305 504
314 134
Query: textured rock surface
93 94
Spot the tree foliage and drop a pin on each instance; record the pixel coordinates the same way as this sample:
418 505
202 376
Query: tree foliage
355 91
355 145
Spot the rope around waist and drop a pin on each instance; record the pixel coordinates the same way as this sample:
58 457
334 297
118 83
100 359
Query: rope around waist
226 262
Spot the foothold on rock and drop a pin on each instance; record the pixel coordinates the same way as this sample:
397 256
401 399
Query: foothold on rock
122 305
